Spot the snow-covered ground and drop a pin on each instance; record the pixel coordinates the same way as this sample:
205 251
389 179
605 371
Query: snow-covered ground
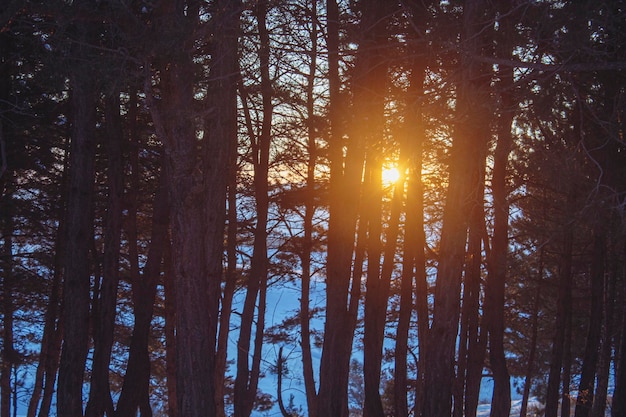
516 405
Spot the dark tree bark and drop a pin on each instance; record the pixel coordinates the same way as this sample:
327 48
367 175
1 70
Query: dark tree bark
369 89
608 328
566 379
105 305
9 355
76 297
45 375
496 277
344 195
413 260
472 103
246 381
52 352
135 392
307 244
564 307
170 332
532 350
220 151
618 408
229 286
586 384
197 189
7 227
412 266
471 354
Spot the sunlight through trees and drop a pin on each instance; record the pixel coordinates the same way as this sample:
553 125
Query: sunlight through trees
312 208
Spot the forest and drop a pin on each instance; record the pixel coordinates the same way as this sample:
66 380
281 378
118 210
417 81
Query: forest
324 208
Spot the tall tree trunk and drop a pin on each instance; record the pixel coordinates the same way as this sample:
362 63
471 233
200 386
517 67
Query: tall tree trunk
378 309
472 104
104 322
618 408
375 297
534 331
567 370
413 262
413 265
7 227
76 298
45 375
471 354
197 190
137 378
220 154
586 384
170 332
307 244
344 195
370 89
400 381
564 302
229 286
606 344
9 355
247 375
496 277
195 349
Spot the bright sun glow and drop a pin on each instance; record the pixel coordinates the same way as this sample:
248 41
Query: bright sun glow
390 175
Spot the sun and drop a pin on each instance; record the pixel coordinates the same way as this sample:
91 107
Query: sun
390 175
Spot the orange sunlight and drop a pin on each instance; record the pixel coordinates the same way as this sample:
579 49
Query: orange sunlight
390 175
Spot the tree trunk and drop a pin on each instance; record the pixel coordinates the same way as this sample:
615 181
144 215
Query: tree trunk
412 265
496 277
567 370
370 88
465 163
137 377
220 151
344 197
9 355
533 336
606 344
7 227
586 384
47 367
170 332
413 261
307 244
104 322
618 408
378 309
76 297
229 286
471 354
564 303
247 376
197 189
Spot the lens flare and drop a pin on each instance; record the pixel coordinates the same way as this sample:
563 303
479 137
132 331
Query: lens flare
390 175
